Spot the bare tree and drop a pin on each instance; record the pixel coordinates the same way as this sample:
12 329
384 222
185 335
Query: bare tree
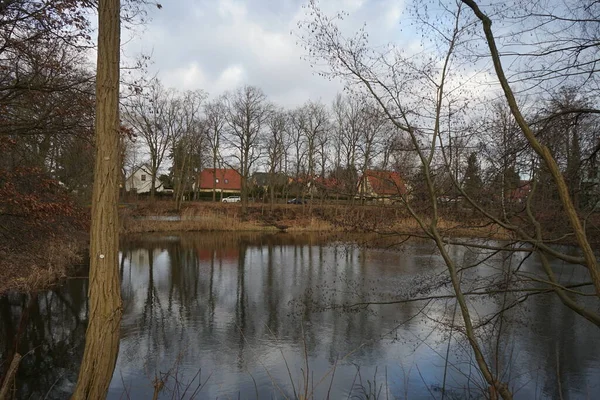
275 144
189 145
503 150
562 52
570 136
348 129
337 109
247 114
105 310
547 159
155 117
215 121
323 141
397 152
398 84
298 142
313 120
373 127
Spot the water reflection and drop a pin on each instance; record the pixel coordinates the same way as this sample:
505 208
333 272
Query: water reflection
244 314
51 331
224 305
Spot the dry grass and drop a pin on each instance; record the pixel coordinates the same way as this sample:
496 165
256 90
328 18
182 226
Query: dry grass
329 217
209 224
42 266
452 228
294 218
312 225
228 217
194 219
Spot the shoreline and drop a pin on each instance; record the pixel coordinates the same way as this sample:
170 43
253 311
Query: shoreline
42 266
214 217
45 266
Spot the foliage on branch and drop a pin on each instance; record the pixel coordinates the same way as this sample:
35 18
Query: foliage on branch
34 207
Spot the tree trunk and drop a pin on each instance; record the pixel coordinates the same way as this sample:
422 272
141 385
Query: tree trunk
182 178
214 181
102 336
272 188
153 185
244 195
566 200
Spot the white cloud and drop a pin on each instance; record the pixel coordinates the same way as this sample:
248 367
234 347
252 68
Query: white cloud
229 9
230 78
393 14
219 45
188 77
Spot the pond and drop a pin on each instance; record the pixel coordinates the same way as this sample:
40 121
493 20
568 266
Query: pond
222 315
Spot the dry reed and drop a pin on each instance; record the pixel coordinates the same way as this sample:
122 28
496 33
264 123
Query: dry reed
41 267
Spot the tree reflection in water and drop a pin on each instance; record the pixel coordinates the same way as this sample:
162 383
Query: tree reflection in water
51 340
238 307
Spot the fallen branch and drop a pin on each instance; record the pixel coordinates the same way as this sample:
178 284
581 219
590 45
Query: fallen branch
12 370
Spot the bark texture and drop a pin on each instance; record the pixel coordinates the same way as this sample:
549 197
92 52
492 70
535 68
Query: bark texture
102 336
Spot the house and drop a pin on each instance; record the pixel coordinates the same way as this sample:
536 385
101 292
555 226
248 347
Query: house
381 184
140 181
331 186
223 180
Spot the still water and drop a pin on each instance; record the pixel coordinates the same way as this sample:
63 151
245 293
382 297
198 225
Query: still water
257 316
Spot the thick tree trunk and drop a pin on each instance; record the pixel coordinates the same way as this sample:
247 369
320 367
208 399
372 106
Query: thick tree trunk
102 336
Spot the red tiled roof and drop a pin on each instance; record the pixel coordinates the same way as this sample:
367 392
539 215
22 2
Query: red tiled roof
385 183
329 183
228 179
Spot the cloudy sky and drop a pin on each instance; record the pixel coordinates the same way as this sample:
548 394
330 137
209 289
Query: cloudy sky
217 45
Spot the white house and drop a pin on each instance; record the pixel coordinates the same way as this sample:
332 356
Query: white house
140 181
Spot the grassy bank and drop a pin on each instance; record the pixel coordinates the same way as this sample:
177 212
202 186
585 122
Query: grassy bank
47 260
161 217
42 264
42 242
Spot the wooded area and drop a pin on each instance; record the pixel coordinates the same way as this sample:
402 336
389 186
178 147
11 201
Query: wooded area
514 147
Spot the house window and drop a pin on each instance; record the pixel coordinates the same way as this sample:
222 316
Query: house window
226 181
143 178
217 180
